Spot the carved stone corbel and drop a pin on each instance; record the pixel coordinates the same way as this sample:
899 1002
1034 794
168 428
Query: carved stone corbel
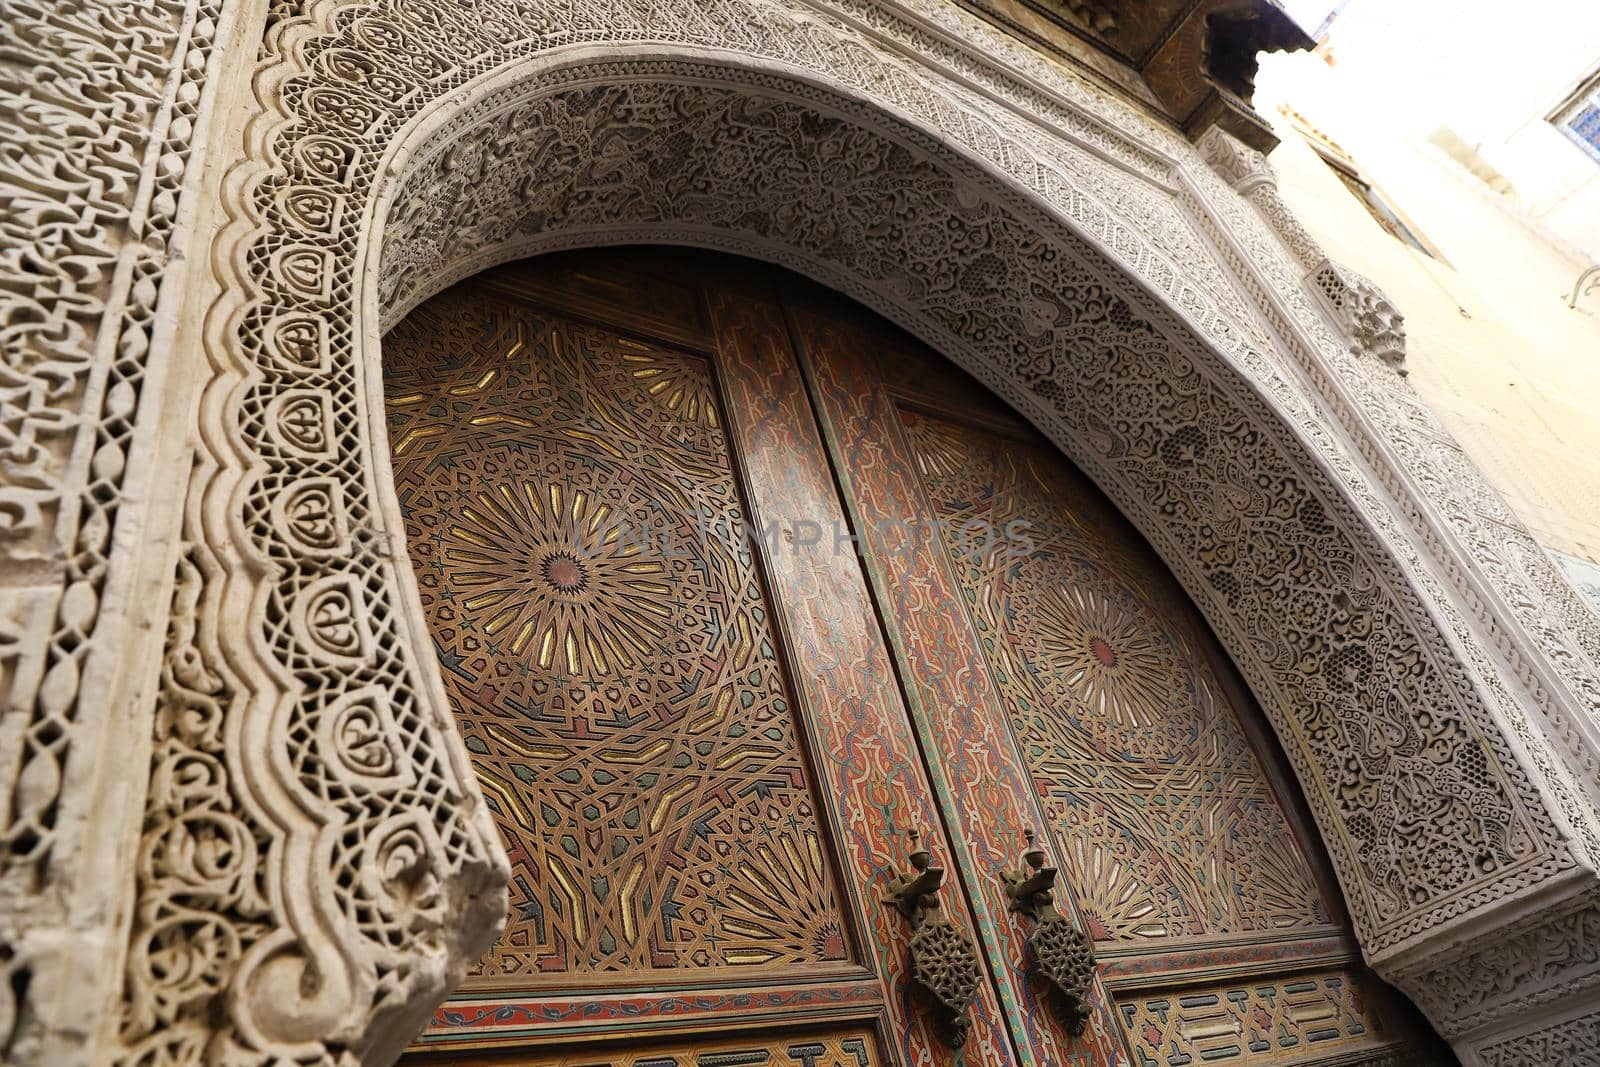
1362 312
1099 15
1357 307
1252 177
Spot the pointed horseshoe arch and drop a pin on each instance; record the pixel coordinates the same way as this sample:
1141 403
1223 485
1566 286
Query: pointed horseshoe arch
394 157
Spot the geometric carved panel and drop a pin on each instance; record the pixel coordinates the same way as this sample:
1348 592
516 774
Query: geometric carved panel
575 529
1167 826
852 1048
1323 1014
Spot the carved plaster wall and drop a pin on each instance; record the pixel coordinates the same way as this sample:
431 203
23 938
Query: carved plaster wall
102 108
314 867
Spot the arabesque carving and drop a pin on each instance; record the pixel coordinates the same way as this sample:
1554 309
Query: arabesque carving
1542 959
99 108
1374 325
1356 307
1434 680
1569 1041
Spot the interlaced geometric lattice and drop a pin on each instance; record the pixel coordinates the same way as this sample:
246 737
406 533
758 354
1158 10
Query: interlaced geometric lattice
944 964
574 526
1065 955
854 1047
1323 1016
1167 824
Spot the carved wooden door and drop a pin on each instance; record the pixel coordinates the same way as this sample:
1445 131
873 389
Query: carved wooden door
733 586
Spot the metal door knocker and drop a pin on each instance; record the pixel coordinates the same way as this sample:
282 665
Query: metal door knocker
1062 952
943 962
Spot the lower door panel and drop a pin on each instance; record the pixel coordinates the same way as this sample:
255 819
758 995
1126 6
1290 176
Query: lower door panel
846 1047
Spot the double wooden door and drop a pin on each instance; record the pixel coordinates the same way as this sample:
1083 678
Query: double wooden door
733 586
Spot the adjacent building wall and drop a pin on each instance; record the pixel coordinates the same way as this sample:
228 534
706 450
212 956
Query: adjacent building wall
1509 206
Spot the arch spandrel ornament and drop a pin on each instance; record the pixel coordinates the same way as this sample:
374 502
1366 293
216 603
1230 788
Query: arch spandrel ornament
1433 686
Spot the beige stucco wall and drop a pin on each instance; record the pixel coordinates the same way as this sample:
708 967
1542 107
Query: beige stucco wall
1491 342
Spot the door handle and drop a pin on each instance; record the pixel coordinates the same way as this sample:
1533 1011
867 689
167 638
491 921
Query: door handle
943 962
1063 953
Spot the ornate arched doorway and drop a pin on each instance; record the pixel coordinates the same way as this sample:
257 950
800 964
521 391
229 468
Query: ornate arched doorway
733 586
1425 681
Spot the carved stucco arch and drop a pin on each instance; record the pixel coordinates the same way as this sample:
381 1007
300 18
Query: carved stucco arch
1011 252
446 222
